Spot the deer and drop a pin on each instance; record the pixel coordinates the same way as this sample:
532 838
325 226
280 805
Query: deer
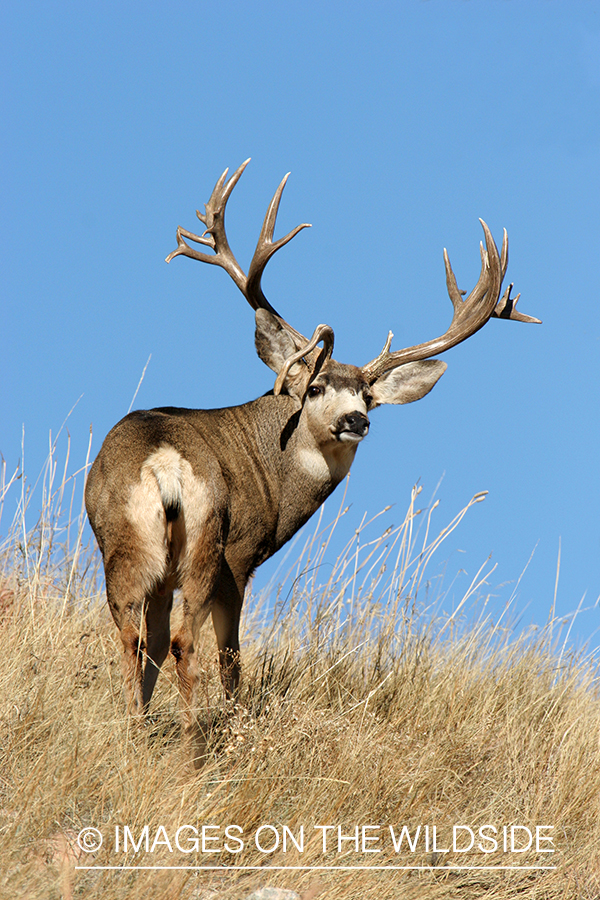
197 499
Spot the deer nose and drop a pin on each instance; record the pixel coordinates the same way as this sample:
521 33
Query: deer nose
355 423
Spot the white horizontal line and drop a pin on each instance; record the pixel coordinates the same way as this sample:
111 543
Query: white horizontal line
327 868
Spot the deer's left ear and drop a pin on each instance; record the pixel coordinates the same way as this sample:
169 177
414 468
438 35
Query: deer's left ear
273 343
408 382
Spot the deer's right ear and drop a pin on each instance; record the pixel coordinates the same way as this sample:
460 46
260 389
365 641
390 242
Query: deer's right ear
274 345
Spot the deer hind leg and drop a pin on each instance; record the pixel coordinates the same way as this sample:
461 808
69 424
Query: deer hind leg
126 597
158 640
140 613
144 625
132 666
224 600
200 574
226 611
184 646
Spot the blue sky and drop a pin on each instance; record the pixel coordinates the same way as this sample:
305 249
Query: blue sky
401 123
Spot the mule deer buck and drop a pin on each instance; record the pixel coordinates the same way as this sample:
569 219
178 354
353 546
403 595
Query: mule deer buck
197 499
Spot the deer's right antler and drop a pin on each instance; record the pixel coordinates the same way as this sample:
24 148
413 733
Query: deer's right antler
216 238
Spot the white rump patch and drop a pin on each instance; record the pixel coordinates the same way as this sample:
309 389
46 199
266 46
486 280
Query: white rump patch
166 466
167 481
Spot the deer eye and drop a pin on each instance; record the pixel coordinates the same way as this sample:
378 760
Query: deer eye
314 390
368 398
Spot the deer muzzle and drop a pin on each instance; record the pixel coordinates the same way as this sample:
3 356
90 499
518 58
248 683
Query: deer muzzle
352 427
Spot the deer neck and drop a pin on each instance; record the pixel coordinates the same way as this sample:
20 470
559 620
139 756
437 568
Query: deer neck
278 474
322 465
310 472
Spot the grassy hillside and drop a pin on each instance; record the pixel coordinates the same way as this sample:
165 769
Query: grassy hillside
366 704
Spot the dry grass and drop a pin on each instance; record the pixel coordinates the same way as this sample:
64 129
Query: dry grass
363 704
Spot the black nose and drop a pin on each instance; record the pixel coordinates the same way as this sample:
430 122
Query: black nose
355 422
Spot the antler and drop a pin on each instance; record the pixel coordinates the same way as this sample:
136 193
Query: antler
321 333
470 314
216 238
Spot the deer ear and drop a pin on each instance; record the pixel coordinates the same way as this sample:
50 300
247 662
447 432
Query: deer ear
274 345
408 382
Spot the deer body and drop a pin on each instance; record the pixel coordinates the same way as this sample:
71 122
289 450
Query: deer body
210 495
197 499
262 473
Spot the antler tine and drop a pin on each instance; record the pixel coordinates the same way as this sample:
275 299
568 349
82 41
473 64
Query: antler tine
321 333
265 248
470 314
215 235
504 253
215 208
505 308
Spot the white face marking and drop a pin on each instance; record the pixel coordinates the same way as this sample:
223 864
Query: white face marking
329 452
324 412
345 401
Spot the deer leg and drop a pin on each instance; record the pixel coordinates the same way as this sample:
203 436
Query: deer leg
133 565
185 650
132 667
197 589
129 619
158 639
226 610
199 569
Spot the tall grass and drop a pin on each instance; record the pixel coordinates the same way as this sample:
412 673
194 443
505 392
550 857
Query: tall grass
369 699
